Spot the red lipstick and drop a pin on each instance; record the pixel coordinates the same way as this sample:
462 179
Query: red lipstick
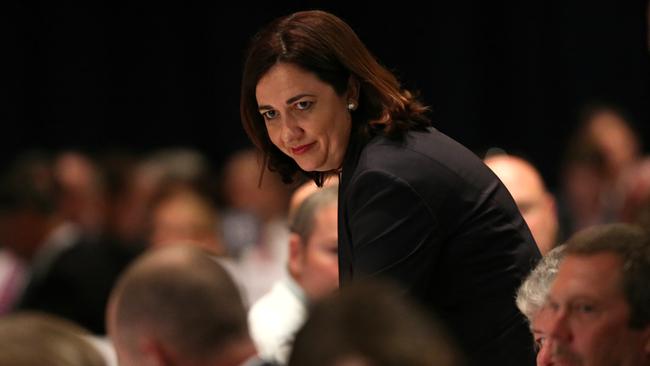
298 150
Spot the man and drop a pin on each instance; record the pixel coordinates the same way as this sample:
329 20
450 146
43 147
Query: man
313 270
531 298
61 266
598 312
536 204
177 306
33 232
371 323
36 339
182 213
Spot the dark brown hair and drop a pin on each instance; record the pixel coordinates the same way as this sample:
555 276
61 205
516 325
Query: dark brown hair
325 45
375 322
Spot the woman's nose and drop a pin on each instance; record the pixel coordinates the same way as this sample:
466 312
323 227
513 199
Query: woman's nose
291 131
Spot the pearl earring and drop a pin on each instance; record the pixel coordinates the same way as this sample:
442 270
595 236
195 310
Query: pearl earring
351 106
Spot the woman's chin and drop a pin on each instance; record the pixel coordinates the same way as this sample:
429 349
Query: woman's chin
307 166
312 167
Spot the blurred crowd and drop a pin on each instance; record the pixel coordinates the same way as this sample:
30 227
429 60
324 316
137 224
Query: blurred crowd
80 231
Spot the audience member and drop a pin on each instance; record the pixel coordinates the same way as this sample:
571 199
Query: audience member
33 232
253 207
599 303
177 306
254 224
33 339
531 298
144 181
371 324
636 204
536 204
600 159
313 273
181 213
74 263
82 192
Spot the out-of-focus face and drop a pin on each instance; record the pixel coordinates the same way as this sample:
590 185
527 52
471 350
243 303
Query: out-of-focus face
185 218
305 118
536 205
319 266
613 136
589 316
23 232
539 326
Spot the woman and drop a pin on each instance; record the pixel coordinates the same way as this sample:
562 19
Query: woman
414 205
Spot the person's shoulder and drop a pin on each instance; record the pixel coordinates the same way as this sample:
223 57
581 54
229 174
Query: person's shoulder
422 160
415 150
279 299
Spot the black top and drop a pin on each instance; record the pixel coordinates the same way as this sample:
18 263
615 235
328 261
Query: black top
428 213
78 283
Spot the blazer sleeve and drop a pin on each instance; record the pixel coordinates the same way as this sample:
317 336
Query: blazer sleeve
391 228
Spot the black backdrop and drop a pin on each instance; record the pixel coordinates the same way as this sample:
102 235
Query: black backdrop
143 75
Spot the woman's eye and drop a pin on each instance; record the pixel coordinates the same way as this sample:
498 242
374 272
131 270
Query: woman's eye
270 114
304 105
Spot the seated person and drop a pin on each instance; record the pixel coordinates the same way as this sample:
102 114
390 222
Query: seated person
177 306
37 339
313 273
371 324
599 304
527 188
531 298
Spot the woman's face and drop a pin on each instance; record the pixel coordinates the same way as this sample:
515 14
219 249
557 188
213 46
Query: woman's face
304 116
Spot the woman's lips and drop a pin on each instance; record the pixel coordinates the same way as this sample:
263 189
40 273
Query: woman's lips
302 148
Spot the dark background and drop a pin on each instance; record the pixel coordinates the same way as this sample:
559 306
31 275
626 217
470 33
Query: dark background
142 75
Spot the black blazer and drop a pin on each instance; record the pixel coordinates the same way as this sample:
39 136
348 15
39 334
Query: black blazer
427 213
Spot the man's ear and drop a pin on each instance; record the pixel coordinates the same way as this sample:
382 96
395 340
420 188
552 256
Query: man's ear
155 353
296 254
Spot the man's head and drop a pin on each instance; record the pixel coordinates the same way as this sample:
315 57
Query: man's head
599 304
313 243
181 213
531 298
526 186
371 323
176 305
35 339
29 195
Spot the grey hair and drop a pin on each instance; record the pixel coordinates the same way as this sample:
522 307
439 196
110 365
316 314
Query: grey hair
302 222
532 293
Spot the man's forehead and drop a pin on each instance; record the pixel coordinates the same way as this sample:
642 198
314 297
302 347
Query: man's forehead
592 274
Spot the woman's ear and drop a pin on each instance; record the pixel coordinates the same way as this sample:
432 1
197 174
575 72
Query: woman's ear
352 92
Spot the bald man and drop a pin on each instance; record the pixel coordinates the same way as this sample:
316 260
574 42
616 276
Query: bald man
177 306
536 204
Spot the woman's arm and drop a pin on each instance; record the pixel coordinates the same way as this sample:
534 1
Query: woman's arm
392 230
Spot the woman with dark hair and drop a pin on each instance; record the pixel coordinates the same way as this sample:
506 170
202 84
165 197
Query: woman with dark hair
414 205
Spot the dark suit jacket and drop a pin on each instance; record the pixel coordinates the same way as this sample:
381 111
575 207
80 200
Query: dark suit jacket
427 213
79 282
